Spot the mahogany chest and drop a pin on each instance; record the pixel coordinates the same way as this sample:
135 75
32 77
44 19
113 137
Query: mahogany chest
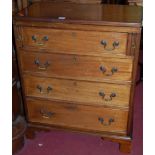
78 66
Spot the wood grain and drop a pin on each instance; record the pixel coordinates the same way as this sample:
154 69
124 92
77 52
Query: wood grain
77 91
78 116
77 26
118 15
75 42
125 147
76 66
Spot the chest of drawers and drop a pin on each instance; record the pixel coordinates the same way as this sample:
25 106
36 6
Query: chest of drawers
78 65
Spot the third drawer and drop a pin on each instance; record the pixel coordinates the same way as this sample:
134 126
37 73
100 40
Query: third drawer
93 93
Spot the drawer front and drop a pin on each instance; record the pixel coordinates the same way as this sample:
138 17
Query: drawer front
75 42
77 67
77 116
77 91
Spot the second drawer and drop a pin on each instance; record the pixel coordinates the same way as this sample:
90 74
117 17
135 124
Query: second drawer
77 67
91 93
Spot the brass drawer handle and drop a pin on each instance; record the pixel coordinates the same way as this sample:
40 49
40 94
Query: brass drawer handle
49 88
115 44
41 67
101 120
103 95
40 42
46 114
113 70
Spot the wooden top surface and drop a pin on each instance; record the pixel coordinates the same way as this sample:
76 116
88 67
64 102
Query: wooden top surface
98 14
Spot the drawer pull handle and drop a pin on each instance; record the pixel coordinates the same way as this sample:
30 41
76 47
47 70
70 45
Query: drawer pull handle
115 44
103 95
113 70
41 67
47 90
38 42
46 114
101 120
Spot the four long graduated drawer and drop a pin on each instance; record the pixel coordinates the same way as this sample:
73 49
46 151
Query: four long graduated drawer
78 116
77 91
78 66
75 42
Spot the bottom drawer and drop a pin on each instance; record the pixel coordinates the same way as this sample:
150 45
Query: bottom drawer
77 116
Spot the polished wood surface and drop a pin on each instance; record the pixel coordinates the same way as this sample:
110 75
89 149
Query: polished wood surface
125 147
83 67
77 116
101 14
60 64
77 91
74 42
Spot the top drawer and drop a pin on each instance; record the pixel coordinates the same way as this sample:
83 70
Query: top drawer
75 41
